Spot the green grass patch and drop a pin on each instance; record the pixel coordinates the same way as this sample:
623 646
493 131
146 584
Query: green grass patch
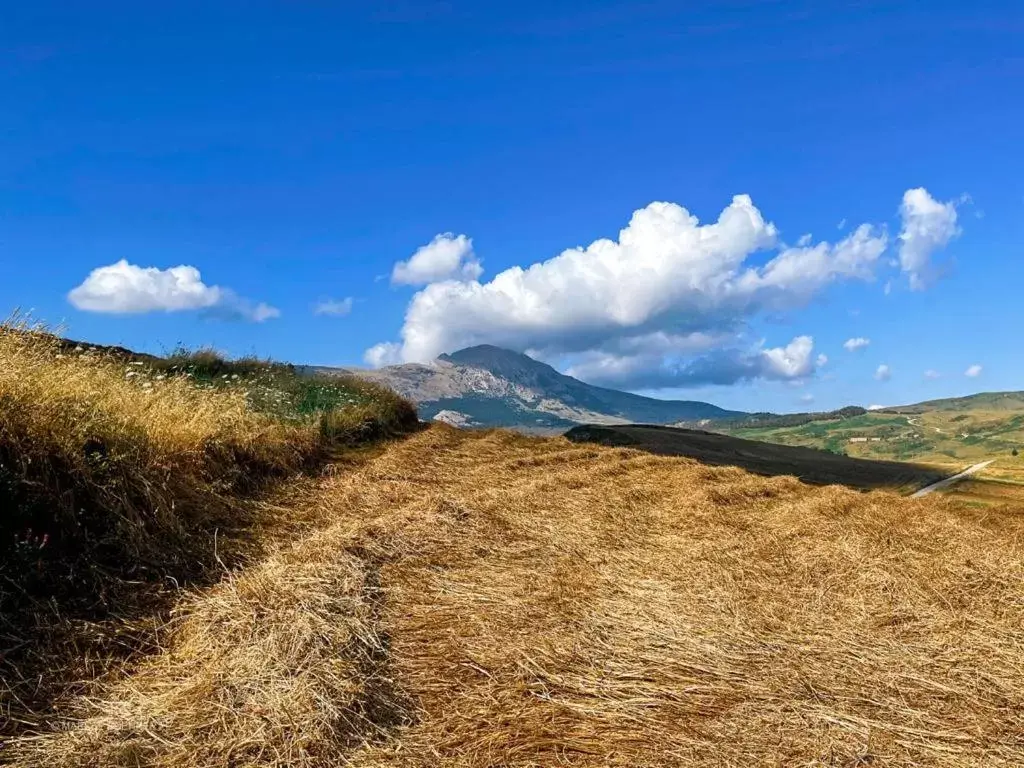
278 390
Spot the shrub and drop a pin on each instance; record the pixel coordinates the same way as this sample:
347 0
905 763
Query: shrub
380 413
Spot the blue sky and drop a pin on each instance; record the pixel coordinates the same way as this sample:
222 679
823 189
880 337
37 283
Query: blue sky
293 152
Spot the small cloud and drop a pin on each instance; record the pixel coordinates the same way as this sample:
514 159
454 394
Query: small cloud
807 398
888 287
877 407
822 360
883 372
852 345
973 372
123 288
928 226
446 257
235 308
260 312
804 240
385 353
335 307
841 224
932 374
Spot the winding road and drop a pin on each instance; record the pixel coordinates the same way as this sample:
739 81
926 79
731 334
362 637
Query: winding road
950 480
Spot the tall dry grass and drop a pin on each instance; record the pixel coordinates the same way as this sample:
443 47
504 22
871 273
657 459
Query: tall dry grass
119 483
484 599
99 459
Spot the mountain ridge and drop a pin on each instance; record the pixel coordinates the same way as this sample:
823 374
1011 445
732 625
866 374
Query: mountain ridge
489 386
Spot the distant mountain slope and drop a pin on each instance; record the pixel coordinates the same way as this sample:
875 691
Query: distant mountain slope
987 401
956 431
764 420
491 386
541 377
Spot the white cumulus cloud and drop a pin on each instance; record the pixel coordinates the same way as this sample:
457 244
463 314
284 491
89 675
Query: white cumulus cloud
446 257
932 374
637 303
336 307
973 372
729 365
852 345
927 226
385 353
124 288
883 372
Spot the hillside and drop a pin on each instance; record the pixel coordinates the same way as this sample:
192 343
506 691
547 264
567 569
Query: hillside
951 432
125 479
215 571
486 386
983 401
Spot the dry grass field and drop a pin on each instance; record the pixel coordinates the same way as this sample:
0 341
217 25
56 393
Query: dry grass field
489 599
123 480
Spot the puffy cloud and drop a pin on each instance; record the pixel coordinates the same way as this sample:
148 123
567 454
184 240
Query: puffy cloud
336 307
807 397
637 302
792 362
927 226
446 257
973 372
385 353
124 288
932 374
883 372
852 345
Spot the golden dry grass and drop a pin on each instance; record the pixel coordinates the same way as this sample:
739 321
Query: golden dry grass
79 430
484 599
119 483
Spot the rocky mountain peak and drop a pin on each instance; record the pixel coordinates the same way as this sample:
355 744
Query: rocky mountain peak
514 366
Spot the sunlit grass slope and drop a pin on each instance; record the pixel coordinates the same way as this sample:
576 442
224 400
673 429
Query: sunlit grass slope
120 477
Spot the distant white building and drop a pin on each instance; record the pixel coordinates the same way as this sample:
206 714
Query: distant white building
858 439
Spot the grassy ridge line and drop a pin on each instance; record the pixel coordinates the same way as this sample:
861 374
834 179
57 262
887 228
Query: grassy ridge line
131 458
120 476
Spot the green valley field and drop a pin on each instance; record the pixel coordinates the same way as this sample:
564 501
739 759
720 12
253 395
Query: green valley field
947 434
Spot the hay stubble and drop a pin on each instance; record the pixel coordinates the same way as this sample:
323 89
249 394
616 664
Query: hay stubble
476 599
